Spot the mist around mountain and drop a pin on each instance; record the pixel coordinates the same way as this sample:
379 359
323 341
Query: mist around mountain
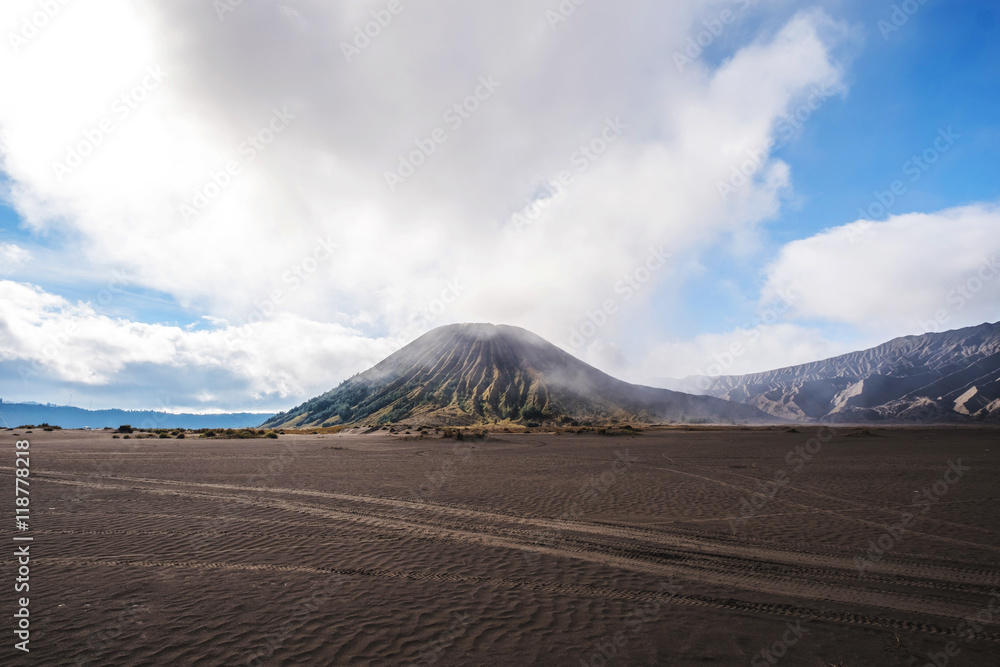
466 374
469 374
948 377
13 415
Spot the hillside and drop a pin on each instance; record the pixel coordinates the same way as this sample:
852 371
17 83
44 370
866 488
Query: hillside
953 376
481 373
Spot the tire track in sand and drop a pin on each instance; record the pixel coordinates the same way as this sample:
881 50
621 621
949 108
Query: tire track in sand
731 604
742 570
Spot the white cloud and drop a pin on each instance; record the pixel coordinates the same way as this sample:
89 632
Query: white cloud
909 274
743 350
325 173
170 136
45 337
11 256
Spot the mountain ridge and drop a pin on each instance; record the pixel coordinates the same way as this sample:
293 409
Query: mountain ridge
65 416
484 373
950 376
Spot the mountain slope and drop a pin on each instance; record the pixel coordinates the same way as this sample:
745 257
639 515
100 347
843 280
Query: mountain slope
468 373
953 376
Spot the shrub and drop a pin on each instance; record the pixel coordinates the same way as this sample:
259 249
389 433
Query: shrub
208 434
272 435
164 435
126 437
180 436
531 412
125 428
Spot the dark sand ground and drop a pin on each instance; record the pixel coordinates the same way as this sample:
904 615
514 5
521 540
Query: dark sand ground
520 549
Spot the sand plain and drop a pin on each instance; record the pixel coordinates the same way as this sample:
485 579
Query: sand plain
674 546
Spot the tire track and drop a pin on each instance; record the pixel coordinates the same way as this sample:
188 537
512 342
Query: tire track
731 604
704 545
863 506
881 527
742 569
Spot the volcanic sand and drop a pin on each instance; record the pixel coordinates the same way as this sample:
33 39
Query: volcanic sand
537 548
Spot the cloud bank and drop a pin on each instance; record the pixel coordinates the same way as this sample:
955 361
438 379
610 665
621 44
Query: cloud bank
334 188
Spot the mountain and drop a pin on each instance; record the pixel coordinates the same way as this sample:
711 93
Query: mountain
476 373
13 415
953 376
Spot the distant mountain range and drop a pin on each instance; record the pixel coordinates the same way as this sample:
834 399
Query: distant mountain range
948 377
467 374
13 415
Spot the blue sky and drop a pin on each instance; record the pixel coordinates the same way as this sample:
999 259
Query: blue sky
168 309
941 69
